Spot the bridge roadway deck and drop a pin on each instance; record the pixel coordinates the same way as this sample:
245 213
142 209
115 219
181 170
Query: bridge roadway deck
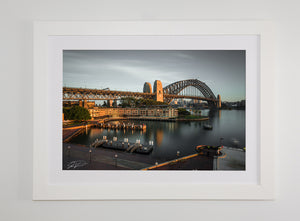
96 94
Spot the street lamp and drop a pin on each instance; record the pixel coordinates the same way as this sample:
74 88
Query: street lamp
69 150
178 153
90 152
116 158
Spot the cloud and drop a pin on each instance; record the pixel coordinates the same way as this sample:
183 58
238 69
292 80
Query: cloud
222 71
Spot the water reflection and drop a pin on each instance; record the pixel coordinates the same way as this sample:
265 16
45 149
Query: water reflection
170 137
159 137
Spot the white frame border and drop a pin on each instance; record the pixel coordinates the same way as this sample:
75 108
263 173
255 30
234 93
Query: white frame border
42 190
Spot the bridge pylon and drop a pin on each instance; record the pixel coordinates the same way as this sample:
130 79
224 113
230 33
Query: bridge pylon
110 103
158 90
219 104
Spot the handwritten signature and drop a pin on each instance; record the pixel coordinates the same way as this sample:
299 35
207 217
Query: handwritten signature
76 163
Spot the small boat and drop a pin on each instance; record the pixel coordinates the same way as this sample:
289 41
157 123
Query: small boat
144 149
207 127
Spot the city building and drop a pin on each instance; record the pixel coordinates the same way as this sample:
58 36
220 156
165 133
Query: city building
159 111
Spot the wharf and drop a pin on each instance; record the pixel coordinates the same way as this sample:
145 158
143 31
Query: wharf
131 126
69 133
229 159
123 146
190 162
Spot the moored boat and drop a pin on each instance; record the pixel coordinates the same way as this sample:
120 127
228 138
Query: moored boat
207 127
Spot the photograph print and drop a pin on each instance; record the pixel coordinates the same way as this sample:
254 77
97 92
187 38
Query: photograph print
154 110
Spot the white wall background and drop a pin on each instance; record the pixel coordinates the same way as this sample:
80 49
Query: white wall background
16 28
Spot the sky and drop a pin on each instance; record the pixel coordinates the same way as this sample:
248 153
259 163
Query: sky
223 71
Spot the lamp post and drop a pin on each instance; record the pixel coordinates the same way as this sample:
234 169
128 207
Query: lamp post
69 151
90 153
178 154
116 160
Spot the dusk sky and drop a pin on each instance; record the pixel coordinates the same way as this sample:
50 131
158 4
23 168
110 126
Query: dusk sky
223 70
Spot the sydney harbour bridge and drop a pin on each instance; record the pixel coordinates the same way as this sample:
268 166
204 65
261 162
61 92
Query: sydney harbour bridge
185 89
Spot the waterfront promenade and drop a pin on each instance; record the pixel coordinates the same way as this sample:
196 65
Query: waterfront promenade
102 159
79 157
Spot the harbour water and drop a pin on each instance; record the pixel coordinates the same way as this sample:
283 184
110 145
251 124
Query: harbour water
174 139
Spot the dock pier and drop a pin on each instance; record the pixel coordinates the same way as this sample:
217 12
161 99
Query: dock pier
131 126
125 146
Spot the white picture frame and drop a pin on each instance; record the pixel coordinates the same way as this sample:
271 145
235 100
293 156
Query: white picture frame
43 189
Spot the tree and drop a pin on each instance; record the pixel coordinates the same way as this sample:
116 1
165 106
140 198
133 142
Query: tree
133 102
128 102
183 112
77 113
66 111
114 103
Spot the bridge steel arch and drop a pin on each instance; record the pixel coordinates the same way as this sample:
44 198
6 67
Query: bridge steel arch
176 87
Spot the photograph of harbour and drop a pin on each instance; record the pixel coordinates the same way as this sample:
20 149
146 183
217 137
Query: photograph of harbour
154 110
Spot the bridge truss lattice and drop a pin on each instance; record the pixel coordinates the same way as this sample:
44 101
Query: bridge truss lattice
177 87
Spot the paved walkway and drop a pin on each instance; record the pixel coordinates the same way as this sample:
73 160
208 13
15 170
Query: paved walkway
196 162
102 159
78 157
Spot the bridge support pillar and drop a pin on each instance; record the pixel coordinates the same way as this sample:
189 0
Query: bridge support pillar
158 90
219 104
109 103
147 88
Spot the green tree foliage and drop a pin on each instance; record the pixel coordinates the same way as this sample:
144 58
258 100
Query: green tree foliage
133 102
149 102
128 102
183 112
76 113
